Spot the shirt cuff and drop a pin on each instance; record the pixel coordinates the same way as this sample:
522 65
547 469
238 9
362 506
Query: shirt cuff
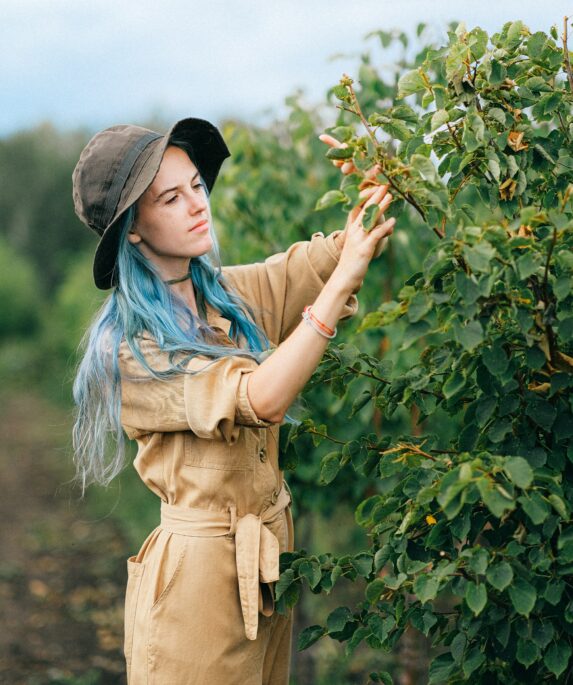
245 414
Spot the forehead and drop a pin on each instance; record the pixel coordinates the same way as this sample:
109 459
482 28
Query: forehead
175 168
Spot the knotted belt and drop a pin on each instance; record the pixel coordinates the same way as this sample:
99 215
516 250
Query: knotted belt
256 547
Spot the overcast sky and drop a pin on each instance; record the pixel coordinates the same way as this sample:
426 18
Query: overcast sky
96 63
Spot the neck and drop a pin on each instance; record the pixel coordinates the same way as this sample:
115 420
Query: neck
183 287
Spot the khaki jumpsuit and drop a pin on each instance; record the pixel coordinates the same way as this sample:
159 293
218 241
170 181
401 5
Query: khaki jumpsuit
199 606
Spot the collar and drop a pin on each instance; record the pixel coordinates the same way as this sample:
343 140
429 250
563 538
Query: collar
215 319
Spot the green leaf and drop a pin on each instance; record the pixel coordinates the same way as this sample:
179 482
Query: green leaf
426 587
559 505
409 83
329 199
523 596
554 592
419 306
518 471
439 118
413 332
454 383
440 669
476 597
469 335
329 467
363 563
535 507
467 287
394 582
474 659
497 503
340 153
485 409
337 619
479 256
528 264
542 412
557 657
542 633
495 358
309 636
369 218
311 571
479 561
425 167
286 579
458 647
527 652
374 590
499 575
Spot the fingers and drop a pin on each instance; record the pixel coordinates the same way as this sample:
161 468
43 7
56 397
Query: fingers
330 140
369 190
380 197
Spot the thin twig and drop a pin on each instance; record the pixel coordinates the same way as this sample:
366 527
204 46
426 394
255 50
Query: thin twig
566 54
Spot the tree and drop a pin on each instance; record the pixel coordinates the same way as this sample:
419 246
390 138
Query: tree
471 538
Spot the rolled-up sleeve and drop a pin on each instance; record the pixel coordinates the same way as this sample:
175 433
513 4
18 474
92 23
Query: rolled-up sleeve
212 402
280 287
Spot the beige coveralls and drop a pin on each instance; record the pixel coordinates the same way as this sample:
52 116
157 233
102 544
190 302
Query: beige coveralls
198 606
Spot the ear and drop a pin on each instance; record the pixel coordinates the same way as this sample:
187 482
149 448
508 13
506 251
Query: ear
133 237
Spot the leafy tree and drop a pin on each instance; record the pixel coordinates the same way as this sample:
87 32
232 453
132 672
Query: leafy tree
469 517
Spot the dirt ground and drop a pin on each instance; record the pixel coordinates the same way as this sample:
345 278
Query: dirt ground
62 575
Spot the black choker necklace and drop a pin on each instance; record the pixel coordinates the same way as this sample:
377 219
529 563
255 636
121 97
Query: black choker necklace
178 280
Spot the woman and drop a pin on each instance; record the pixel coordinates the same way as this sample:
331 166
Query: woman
175 360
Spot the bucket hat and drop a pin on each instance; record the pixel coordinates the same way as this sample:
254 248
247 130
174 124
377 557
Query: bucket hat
116 167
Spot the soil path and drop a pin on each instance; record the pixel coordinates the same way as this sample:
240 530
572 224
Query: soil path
62 576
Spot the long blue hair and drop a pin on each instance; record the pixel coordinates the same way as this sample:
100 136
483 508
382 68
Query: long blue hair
142 303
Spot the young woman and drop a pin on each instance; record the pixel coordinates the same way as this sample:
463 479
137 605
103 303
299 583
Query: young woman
175 360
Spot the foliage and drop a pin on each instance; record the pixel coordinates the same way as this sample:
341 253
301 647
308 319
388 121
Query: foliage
18 293
471 535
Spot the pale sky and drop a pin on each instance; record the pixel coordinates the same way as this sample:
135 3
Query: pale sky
96 63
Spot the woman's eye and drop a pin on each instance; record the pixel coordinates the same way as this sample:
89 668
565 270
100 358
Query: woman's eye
197 186
171 200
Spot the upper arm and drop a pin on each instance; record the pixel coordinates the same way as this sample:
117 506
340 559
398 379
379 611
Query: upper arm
212 403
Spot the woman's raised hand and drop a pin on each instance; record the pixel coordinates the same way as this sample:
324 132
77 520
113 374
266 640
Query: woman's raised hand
361 246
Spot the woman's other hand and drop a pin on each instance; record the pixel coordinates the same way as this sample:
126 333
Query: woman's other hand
370 181
347 166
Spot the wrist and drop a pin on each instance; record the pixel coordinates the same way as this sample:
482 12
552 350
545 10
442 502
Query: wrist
339 284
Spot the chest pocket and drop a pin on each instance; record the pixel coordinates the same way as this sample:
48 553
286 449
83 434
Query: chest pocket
218 454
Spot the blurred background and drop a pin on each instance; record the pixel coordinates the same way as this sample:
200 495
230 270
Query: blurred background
261 71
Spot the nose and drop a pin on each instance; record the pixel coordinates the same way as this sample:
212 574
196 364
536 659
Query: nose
197 202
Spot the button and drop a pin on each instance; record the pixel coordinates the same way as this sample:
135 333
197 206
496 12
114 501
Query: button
263 454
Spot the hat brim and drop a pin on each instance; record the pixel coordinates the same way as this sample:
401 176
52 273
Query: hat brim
209 153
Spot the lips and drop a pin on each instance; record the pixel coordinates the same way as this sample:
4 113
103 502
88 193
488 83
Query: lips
200 225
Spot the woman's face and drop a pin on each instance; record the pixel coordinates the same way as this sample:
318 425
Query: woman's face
172 218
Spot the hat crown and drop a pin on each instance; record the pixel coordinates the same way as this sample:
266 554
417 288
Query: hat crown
97 169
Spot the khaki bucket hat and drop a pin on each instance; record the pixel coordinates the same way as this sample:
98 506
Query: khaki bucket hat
119 164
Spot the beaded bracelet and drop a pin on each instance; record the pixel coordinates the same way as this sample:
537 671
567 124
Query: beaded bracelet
315 323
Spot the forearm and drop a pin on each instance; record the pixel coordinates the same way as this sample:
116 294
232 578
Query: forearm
274 385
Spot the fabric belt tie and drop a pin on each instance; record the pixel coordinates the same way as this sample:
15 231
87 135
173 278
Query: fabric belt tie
256 547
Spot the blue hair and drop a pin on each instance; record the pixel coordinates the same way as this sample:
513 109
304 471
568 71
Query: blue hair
142 303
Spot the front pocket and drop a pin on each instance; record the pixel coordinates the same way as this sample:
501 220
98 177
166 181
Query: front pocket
134 576
168 572
218 454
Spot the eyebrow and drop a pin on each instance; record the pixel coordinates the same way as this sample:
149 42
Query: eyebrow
169 190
